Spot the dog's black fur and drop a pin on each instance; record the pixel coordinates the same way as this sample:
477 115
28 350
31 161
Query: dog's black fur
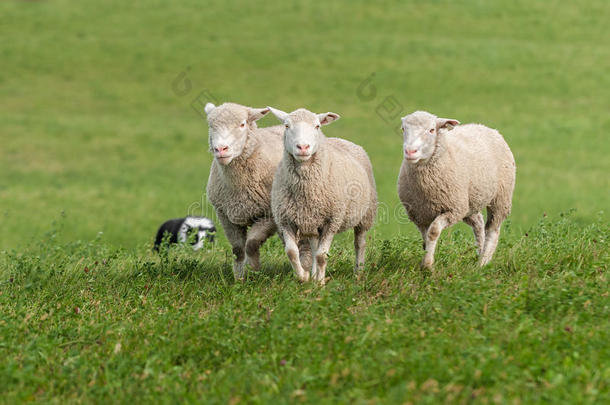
202 227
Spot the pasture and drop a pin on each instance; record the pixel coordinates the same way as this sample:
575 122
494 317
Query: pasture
103 138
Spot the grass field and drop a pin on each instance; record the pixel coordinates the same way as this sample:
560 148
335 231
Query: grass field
101 142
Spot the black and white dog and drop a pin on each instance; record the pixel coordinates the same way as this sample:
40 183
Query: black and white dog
181 229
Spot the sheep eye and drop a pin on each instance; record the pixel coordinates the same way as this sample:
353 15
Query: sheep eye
243 124
431 130
287 126
318 126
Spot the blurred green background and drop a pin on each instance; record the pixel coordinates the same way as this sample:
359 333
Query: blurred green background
99 134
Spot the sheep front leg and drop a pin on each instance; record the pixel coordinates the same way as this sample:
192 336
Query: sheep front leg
304 251
320 257
422 230
258 234
432 234
237 238
292 251
492 233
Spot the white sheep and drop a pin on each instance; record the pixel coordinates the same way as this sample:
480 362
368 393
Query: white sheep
451 173
323 186
239 186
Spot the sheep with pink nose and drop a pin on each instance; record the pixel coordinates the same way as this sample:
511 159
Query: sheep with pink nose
322 186
450 173
239 186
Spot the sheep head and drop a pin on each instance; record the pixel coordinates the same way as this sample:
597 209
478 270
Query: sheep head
303 135
420 134
229 127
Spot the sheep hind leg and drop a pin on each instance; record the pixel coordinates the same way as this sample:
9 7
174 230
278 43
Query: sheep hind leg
422 230
237 237
477 223
257 235
359 248
321 255
492 234
313 245
305 250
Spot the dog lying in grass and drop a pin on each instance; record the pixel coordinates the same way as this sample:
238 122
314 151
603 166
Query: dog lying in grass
193 230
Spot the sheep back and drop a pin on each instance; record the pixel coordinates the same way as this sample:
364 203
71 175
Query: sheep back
472 169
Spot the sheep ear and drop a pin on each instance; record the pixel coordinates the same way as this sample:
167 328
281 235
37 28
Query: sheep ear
327 118
446 123
209 107
255 114
281 115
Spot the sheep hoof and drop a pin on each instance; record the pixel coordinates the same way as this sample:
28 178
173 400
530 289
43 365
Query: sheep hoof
239 276
427 263
254 264
318 278
303 278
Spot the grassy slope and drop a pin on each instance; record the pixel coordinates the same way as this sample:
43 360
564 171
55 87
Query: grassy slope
91 127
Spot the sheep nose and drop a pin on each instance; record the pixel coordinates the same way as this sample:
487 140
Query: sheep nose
221 149
410 152
302 148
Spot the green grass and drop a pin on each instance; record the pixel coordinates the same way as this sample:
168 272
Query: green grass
98 148
85 322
